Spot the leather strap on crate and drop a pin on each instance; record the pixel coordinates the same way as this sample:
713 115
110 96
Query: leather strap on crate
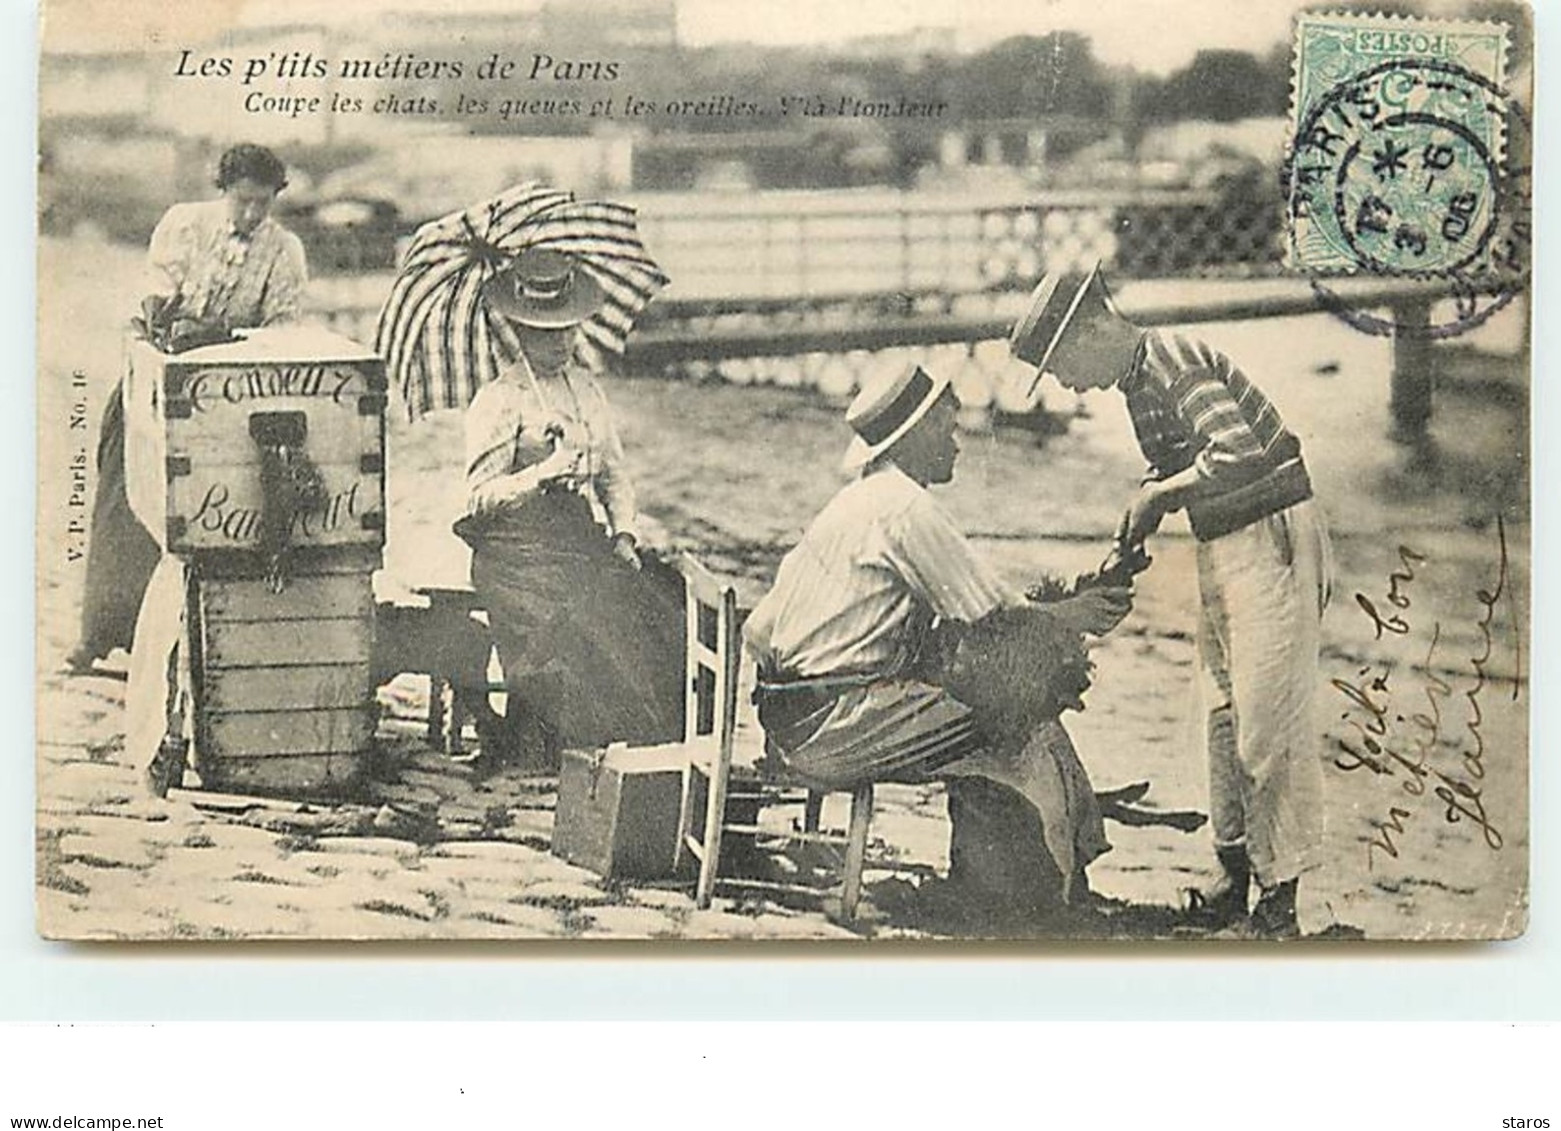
290 485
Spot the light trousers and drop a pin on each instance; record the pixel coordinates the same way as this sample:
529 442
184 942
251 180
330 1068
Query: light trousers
1264 589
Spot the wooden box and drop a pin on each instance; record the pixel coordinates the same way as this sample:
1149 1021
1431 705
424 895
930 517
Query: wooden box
620 810
283 689
195 422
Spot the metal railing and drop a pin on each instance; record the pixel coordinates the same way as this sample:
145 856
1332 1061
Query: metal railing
814 298
845 351
788 246
906 243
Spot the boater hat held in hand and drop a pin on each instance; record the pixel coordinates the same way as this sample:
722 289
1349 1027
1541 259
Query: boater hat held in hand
1063 303
545 289
888 407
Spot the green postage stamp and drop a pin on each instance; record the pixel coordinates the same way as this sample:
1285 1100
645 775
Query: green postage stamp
1402 135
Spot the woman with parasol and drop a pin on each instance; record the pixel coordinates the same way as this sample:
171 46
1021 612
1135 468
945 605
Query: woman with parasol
551 522
511 302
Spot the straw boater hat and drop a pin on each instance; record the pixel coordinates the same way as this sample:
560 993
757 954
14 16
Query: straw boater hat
888 407
544 289
1054 305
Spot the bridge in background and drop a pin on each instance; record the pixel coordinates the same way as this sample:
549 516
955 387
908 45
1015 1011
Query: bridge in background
813 289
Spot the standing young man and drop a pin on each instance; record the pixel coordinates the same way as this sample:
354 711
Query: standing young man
1218 449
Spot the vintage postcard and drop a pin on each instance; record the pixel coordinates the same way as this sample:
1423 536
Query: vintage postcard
681 469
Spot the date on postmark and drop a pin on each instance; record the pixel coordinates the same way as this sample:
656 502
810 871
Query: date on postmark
1398 162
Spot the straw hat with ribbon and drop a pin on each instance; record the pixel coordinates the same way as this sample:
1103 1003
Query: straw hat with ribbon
543 289
1056 306
889 406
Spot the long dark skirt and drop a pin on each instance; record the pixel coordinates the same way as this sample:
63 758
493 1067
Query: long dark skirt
592 650
121 555
997 849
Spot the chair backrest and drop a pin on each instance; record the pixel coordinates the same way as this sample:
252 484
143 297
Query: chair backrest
712 651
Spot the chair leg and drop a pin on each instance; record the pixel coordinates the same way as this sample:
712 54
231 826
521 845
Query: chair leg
455 728
813 813
436 687
692 821
856 847
686 820
715 817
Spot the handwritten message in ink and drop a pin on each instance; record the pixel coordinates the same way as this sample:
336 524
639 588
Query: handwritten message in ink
1422 721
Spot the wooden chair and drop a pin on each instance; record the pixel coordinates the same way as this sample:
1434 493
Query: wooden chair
854 842
713 652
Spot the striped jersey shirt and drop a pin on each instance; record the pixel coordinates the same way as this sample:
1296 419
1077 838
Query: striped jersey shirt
1192 408
857 593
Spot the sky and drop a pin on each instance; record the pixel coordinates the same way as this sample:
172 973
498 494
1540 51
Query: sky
1156 37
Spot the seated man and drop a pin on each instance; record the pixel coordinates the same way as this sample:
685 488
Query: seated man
842 694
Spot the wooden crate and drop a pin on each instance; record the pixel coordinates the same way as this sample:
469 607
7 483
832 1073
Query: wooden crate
620 810
192 461
283 686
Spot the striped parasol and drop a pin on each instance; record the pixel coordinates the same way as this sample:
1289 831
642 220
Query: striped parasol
441 342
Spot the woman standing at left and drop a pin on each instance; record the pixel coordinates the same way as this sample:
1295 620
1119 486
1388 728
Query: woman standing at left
213 266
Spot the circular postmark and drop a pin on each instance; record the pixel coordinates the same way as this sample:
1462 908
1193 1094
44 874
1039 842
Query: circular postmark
1406 171
1402 225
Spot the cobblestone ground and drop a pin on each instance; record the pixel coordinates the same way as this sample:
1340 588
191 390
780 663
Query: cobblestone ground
733 475
116 863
